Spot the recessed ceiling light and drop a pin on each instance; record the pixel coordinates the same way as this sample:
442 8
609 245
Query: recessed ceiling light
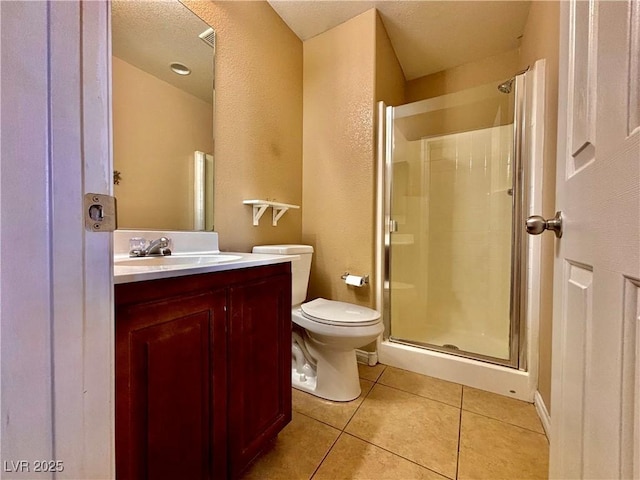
180 69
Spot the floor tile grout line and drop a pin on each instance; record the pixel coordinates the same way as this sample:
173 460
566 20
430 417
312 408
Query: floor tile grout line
363 399
342 431
507 397
425 375
459 434
461 407
325 456
502 421
422 396
378 382
320 421
377 378
333 426
358 407
396 454
461 385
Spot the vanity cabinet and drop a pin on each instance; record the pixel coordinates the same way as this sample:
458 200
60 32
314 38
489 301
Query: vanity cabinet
203 372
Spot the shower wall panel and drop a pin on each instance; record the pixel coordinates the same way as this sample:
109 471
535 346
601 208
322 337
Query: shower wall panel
409 244
451 256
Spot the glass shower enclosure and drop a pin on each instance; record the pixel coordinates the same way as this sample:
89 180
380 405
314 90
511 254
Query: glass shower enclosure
453 193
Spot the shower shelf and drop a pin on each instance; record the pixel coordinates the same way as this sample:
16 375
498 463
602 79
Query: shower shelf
260 206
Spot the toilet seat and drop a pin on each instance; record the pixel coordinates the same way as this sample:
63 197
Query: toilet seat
331 312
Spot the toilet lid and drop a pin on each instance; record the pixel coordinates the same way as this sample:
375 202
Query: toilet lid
339 313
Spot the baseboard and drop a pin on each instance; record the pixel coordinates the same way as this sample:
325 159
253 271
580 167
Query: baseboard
367 358
543 413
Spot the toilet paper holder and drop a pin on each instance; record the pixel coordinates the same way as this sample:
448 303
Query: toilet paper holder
362 280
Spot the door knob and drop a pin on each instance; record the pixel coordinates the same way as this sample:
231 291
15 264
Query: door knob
537 224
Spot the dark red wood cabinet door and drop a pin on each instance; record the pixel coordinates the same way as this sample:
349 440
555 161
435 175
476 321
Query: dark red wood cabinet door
168 354
259 368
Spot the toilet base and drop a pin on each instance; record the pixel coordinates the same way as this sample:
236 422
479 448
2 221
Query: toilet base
337 376
303 382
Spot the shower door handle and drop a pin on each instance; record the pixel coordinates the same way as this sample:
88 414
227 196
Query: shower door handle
537 224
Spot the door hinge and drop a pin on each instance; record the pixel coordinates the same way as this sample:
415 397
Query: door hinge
100 213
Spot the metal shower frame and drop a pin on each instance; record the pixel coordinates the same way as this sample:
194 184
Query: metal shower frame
519 244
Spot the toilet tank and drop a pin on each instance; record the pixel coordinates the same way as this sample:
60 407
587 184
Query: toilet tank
300 268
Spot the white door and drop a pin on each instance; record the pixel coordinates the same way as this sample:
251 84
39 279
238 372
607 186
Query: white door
595 410
56 301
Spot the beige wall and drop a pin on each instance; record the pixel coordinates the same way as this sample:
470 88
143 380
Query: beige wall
491 69
541 39
156 129
258 121
338 159
389 81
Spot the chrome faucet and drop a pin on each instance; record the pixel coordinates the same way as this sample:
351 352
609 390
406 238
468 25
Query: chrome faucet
159 247
155 247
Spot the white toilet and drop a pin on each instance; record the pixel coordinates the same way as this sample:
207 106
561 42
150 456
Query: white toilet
325 334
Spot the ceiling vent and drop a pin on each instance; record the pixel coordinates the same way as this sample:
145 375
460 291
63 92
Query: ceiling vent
209 37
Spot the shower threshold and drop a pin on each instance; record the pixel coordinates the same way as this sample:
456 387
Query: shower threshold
454 350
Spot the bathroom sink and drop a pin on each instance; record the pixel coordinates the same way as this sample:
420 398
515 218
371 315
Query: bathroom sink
177 260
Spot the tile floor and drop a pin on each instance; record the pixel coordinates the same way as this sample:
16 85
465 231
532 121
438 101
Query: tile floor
407 426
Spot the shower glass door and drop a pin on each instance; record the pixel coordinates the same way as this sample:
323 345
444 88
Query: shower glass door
452 203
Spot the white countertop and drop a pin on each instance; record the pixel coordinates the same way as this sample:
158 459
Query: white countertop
129 274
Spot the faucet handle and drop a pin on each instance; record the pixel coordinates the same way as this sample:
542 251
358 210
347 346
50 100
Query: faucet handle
163 241
164 246
137 245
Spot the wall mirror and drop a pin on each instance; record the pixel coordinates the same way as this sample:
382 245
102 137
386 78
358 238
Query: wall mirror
163 106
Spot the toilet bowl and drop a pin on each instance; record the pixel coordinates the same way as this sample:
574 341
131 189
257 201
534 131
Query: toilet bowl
326 334
332 332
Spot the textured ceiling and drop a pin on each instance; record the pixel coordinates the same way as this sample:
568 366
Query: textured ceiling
427 36
153 34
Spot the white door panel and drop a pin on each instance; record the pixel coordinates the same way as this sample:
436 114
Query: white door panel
631 381
56 312
595 347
